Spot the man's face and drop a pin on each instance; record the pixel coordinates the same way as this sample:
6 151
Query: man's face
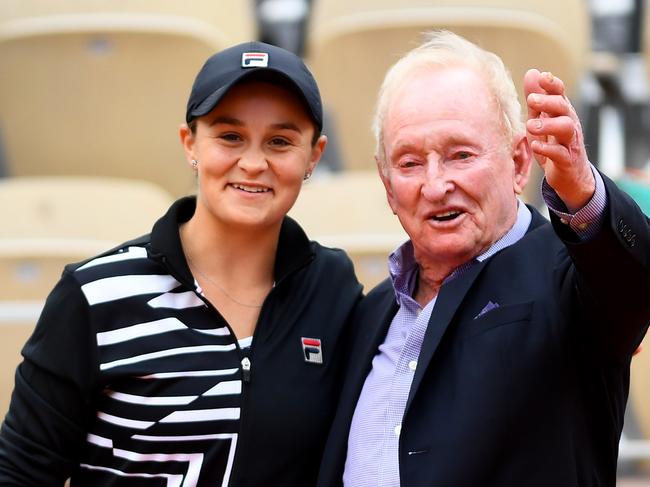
451 174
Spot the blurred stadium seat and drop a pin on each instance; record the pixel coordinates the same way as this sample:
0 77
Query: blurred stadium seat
29 268
90 88
96 209
230 20
50 222
352 44
349 210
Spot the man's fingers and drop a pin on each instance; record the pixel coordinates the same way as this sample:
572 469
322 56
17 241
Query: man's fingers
551 84
531 82
557 153
531 85
553 105
553 127
562 128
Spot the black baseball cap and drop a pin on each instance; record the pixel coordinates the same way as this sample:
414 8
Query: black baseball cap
226 68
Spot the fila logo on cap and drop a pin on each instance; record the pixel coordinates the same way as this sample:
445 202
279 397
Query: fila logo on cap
312 350
254 60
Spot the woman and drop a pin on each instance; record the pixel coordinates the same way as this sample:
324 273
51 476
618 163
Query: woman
208 352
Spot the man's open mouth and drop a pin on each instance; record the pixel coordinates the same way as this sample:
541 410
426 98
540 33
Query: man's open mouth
446 216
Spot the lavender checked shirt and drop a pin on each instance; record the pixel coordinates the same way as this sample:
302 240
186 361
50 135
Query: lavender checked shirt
373 442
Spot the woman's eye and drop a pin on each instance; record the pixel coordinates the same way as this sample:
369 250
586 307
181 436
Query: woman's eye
279 142
230 137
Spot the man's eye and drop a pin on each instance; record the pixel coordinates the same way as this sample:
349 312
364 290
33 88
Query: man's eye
408 163
463 155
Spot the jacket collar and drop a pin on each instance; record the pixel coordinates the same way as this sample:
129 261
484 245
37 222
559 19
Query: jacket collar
537 219
294 249
403 267
450 298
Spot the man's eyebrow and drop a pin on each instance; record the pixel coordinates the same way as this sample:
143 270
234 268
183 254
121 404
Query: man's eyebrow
403 146
459 140
224 119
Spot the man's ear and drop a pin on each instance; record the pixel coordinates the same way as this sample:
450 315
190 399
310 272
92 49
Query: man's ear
522 158
383 175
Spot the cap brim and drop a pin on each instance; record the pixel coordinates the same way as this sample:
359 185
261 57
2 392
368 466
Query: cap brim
215 97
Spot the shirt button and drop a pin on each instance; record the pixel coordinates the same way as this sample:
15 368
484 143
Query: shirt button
582 226
413 364
398 429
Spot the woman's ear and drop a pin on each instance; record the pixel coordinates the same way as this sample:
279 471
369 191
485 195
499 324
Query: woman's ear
316 153
187 140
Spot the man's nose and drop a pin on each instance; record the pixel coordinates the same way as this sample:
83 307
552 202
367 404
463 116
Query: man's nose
437 183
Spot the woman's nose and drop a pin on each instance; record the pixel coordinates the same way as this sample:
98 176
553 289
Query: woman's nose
253 161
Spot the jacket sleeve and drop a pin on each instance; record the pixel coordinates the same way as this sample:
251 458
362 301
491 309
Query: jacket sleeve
51 405
612 276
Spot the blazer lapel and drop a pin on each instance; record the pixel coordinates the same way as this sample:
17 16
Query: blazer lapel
449 299
376 321
375 327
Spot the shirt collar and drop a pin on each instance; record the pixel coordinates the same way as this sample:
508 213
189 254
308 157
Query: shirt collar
403 267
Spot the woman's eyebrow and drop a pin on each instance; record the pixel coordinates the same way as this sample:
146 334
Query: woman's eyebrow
224 119
227 120
286 126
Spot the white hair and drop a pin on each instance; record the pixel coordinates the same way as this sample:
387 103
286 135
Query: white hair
445 49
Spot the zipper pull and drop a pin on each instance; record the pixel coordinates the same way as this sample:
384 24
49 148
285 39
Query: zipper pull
246 369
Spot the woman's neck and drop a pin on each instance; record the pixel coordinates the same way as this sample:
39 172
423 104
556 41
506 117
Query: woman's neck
237 254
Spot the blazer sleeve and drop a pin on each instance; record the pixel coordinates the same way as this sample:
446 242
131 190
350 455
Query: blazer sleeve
612 276
51 405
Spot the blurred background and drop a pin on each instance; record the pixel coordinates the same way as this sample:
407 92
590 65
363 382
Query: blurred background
92 93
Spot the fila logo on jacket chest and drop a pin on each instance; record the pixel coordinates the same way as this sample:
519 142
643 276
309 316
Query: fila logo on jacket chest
312 350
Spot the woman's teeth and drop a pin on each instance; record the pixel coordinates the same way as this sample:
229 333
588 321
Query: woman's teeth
250 189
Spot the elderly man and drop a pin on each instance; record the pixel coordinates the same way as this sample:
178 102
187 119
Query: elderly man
498 352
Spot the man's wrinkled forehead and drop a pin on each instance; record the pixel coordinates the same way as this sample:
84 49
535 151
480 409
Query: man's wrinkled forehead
459 91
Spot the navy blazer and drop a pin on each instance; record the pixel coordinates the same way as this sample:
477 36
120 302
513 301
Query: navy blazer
533 392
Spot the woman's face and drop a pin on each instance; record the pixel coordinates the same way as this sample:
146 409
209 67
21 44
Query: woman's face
253 151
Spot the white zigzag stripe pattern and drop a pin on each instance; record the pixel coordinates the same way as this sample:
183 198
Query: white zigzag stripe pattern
150 399
194 460
131 253
167 353
120 287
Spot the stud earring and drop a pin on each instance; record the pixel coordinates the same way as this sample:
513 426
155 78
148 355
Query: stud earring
306 176
195 163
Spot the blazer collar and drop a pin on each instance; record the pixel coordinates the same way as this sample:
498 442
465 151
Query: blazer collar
450 298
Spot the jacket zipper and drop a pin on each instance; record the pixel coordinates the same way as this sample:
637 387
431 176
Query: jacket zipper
246 362
246 366
246 369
